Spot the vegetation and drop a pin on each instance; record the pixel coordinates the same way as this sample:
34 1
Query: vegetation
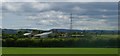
83 39
100 41
17 50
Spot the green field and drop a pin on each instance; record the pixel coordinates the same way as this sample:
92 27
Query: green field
13 50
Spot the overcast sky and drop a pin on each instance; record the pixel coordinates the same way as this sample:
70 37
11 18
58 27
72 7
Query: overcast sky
59 0
49 15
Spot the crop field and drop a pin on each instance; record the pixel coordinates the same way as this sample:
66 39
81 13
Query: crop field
15 50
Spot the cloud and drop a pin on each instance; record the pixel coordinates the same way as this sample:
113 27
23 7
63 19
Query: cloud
24 7
40 6
0 26
11 7
59 0
91 24
50 18
44 15
0 16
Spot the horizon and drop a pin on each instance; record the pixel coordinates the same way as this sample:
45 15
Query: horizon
50 29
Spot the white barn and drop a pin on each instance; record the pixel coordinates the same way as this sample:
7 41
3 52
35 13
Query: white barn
43 35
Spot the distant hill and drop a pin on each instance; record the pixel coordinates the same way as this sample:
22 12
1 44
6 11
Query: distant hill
9 31
0 31
98 31
14 31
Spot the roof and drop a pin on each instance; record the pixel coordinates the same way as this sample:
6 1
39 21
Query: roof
27 34
45 33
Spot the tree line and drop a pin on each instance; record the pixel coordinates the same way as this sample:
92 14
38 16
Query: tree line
60 42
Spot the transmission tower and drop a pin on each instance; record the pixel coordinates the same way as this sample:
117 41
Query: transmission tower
71 25
71 20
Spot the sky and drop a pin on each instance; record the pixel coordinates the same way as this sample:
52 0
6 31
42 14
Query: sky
56 15
59 0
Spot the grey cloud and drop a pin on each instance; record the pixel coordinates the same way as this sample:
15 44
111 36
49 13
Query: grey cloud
57 14
60 0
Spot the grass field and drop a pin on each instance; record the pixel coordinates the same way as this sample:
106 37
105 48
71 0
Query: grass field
13 50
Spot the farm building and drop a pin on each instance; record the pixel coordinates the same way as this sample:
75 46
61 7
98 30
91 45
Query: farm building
43 35
27 34
37 34
53 33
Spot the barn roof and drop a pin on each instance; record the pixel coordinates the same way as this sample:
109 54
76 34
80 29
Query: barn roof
27 34
45 33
